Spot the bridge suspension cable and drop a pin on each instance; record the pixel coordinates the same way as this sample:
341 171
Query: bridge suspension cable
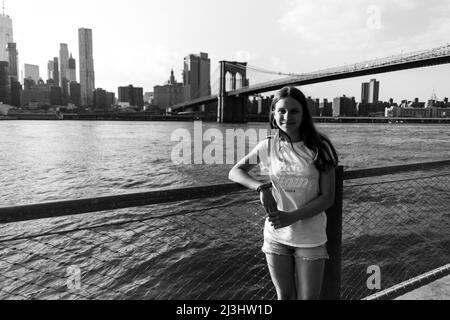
261 70
368 64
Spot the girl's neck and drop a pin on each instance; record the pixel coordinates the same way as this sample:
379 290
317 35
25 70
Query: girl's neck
294 137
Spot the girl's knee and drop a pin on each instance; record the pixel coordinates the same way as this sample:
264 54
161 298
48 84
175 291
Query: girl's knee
308 294
307 297
286 291
286 295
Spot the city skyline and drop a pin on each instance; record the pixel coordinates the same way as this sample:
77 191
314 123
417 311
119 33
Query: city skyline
138 51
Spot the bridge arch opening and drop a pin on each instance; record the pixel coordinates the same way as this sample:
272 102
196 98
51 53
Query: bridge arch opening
229 81
239 81
233 76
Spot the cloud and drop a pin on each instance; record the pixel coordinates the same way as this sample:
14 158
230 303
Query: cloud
365 29
245 56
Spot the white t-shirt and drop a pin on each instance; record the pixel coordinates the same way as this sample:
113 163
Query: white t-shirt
295 182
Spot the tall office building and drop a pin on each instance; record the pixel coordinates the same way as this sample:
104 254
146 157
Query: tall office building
374 91
16 89
6 35
75 93
87 75
13 72
31 71
370 92
365 92
12 60
55 77
63 63
197 76
72 74
5 89
64 70
50 69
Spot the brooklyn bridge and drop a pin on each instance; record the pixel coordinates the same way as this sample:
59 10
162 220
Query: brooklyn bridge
232 99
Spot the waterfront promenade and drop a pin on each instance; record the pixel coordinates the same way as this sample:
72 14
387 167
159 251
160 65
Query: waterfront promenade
438 290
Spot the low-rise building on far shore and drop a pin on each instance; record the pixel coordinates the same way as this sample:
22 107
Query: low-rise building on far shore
169 94
132 95
417 109
344 107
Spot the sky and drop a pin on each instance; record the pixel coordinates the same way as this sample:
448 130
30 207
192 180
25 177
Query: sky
138 42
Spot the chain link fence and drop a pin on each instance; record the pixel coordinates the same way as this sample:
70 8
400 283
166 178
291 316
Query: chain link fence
401 228
213 249
211 252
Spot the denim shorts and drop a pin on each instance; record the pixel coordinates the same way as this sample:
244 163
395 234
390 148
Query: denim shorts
309 254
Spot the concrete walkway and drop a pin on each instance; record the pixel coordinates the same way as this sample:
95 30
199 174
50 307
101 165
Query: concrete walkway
438 290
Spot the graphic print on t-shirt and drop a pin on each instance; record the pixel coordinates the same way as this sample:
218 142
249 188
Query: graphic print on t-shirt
292 178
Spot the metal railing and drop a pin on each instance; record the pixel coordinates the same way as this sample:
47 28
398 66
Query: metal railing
204 242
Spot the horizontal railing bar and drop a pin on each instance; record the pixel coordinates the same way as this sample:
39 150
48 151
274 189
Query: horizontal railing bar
81 206
395 181
411 284
382 171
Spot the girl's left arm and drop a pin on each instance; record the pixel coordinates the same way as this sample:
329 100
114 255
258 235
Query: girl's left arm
313 208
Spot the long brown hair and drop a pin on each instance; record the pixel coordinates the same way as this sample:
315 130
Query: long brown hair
327 157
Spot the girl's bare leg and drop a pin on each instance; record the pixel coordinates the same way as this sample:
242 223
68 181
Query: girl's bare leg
282 271
309 278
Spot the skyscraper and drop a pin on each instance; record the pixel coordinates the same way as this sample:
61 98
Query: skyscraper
72 75
5 89
55 71
64 70
75 93
63 63
370 91
50 69
12 60
13 75
87 75
374 91
365 92
6 35
197 76
31 71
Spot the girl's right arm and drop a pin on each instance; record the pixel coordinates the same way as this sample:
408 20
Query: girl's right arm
240 174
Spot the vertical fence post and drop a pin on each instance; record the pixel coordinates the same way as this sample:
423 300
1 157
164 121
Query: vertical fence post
331 288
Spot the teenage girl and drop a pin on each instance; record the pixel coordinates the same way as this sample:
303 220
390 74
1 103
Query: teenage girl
301 165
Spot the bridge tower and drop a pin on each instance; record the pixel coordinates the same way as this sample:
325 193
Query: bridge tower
232 108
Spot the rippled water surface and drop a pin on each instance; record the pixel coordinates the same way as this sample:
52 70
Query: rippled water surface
43 161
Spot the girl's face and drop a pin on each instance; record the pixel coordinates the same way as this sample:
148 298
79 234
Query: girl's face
288 115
